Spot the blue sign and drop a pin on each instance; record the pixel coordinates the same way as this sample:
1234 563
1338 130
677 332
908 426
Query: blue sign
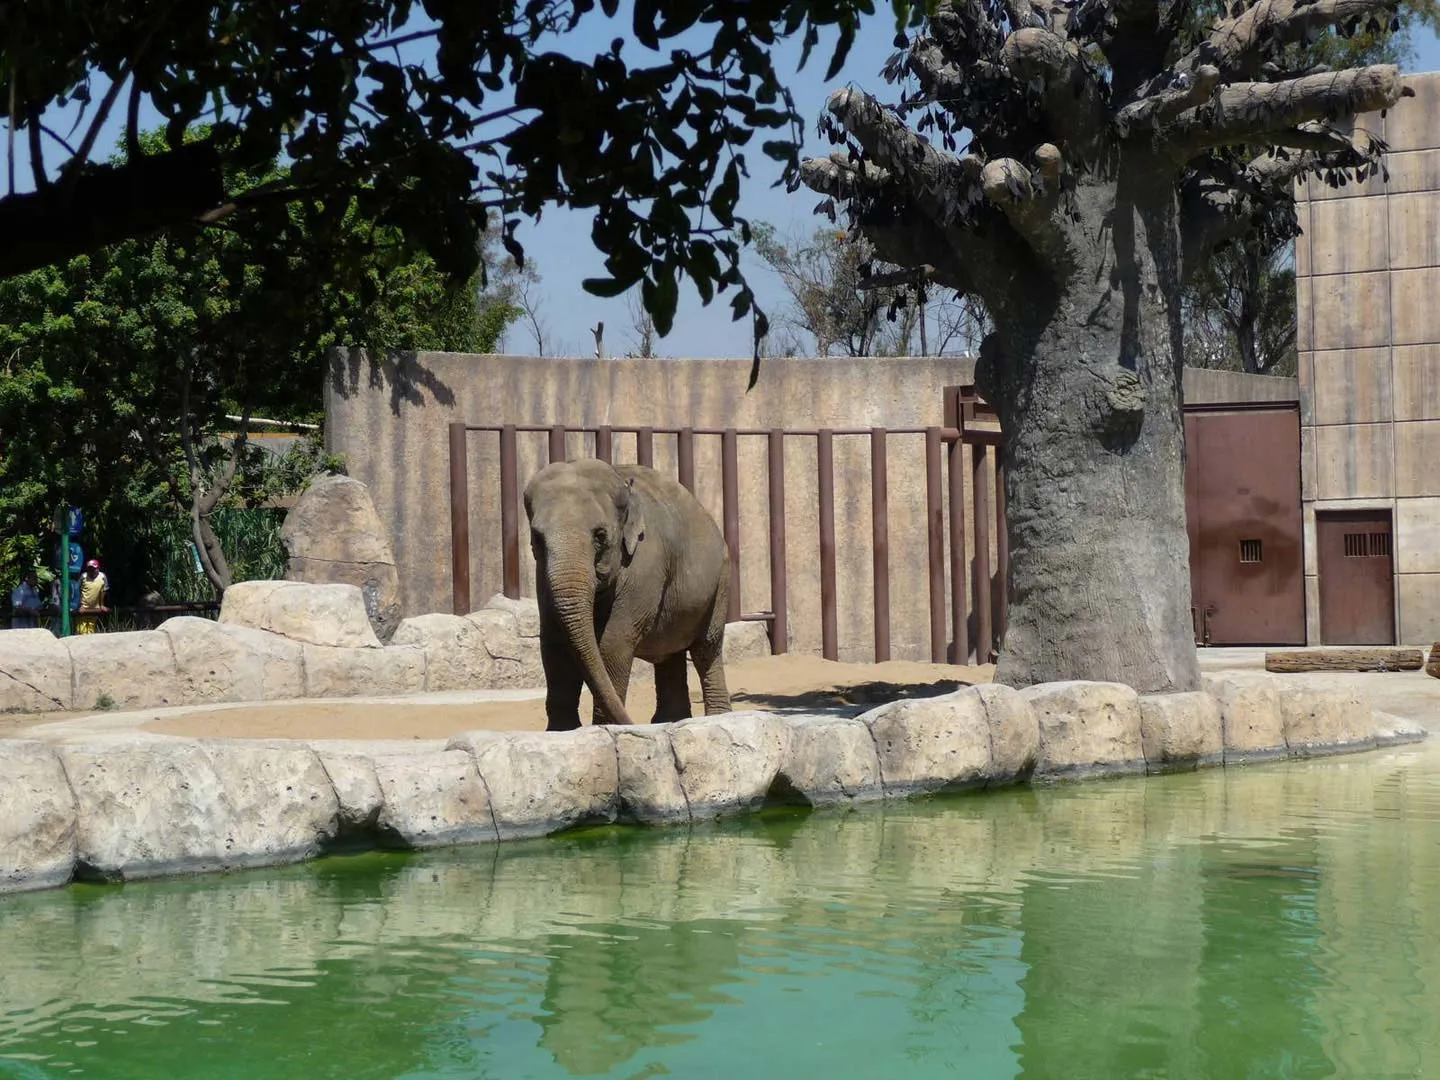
77 557
74 520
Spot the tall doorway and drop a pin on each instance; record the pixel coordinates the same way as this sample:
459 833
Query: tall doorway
1242 494
1357 577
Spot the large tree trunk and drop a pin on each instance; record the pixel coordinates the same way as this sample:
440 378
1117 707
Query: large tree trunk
1087 386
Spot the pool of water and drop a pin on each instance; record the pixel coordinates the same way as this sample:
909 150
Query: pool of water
1275 921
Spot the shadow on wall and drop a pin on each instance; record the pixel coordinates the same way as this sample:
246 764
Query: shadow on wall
404 374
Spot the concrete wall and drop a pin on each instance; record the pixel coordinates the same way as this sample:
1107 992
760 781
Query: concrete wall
389 419
1368 302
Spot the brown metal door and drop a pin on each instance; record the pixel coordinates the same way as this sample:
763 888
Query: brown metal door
1357 590
1242 488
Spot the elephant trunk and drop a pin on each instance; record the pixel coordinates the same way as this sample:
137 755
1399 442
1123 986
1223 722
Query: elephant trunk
572 590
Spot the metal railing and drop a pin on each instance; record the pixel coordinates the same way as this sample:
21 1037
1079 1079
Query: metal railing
967 424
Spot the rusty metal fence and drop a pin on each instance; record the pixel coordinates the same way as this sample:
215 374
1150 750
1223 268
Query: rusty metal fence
960 445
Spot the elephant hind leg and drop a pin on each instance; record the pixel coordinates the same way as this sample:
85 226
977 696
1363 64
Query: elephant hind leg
709 656
672 689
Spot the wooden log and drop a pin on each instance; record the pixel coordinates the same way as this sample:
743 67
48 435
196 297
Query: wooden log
1347 659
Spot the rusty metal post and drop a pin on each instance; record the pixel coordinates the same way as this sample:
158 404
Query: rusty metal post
880 542
935 534
1002 552
605 443
557 442
780 628
730 495
509 510
685 454
984 639
825 462
459 523
959 611
645 447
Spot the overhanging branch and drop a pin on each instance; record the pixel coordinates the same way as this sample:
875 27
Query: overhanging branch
1073 96
1238 46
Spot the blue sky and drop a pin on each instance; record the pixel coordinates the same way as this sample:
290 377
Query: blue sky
559 244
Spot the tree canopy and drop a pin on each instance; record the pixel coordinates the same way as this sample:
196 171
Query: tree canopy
441 120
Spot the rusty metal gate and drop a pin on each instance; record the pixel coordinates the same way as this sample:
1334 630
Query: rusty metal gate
1357 577
1242 494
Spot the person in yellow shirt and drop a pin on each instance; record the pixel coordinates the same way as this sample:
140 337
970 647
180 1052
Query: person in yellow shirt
94 587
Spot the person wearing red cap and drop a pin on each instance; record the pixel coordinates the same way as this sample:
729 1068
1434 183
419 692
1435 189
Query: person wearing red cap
94 586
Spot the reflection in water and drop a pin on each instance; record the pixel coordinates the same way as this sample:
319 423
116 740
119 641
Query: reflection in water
1273 921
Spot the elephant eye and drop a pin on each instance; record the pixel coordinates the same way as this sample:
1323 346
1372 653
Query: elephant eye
537 542
601 538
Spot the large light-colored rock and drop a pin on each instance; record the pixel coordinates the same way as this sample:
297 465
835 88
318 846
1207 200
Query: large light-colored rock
648 780
133 670
395 669
829 760
333 536
1014 732
728 762
1324 720
746 641
357 790
1180 731
1391 730
540 782
37 817
150 806
524 609
332 615
432 799
282 661
455 653
35 671
1086 727
1250 720
516 657
211 665
928 744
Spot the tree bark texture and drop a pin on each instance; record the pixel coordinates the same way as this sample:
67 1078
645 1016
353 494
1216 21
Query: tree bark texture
1053 163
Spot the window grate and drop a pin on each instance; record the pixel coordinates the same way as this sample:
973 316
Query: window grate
1250 551
1367 545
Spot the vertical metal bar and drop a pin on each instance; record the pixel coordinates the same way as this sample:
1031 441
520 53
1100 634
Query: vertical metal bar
984 640
780 628
557 442
880 541
459 523
935 531
1002 552
685 454
825 461
509 510
959 610
730 494
605 443
645 447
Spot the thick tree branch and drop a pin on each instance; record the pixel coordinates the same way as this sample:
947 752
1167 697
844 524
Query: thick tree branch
1239 45
1248 113
1073 96
1187 91
1028 198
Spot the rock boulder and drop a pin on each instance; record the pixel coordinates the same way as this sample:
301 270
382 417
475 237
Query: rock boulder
35 671
132 670
727 763
647 777
331 615
1250 719
1086 727
541 782
211 665
1180 731
455 654
333 536
829 760
432 799
394 669
37 817
928 744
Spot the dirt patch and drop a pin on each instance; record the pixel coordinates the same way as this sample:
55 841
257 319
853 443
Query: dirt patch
769 683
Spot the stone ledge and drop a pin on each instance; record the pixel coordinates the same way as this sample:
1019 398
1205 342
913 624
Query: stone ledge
138 805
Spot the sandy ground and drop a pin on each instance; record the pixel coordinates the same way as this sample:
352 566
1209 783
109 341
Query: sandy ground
789 682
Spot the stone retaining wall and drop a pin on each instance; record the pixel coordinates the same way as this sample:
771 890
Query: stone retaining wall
139 805
282 640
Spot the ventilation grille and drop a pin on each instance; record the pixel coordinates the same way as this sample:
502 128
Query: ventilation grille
1250 551
1374 545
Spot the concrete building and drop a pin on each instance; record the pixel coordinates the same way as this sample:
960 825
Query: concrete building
1368 285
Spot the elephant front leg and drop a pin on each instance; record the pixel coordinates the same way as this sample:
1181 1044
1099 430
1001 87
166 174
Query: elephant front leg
672 690
563 681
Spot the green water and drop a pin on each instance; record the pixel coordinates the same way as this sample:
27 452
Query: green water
1276 921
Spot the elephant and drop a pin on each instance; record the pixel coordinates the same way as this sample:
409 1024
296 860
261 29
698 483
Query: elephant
627 563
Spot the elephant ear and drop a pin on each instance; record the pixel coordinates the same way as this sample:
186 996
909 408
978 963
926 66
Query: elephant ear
632 528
